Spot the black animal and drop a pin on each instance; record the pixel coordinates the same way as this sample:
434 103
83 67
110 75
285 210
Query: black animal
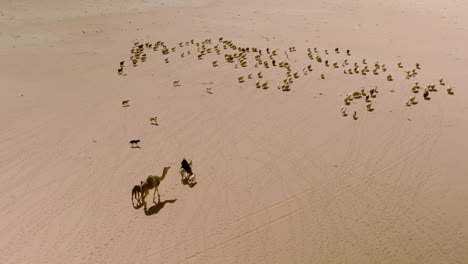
186 166
136 192
134 143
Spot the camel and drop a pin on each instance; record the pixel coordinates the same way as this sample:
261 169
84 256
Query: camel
152 182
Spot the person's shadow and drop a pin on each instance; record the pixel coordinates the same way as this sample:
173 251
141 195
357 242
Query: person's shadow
156 208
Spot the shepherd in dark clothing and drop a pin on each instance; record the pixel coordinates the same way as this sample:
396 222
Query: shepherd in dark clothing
186 167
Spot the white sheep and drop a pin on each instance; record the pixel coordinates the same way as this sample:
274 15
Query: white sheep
343 110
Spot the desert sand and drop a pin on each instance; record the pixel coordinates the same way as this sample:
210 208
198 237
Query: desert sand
283 176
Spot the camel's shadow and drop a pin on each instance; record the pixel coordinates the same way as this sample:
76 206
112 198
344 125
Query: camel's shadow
156 208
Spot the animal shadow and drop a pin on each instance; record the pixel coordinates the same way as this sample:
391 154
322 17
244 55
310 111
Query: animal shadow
156 208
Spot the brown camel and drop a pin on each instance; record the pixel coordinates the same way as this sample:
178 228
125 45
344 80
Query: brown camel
152 182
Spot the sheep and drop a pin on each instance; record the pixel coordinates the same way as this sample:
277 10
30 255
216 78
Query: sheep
441 81
215 63
431 88
355 117
265 85
349 97
337 50
369 107
296 75
363 92
389 78
257 84
125 103
322 76
343 111
309 67
166 60
412 99
208 90
240 79
357 95
259 74
449 90
417 66
373 92
122 64
335 65
348 52
176 83
400 65
364 61
249 76
119 71
426 94
154 121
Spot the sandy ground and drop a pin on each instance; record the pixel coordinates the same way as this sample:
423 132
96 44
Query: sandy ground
282 176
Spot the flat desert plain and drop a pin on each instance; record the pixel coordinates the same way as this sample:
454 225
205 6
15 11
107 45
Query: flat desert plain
319 131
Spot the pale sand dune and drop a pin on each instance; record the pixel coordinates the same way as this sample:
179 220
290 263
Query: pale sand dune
282 176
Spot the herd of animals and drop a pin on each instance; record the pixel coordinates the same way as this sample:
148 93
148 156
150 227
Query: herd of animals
264 59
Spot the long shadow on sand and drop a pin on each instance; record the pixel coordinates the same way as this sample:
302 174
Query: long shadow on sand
156 208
